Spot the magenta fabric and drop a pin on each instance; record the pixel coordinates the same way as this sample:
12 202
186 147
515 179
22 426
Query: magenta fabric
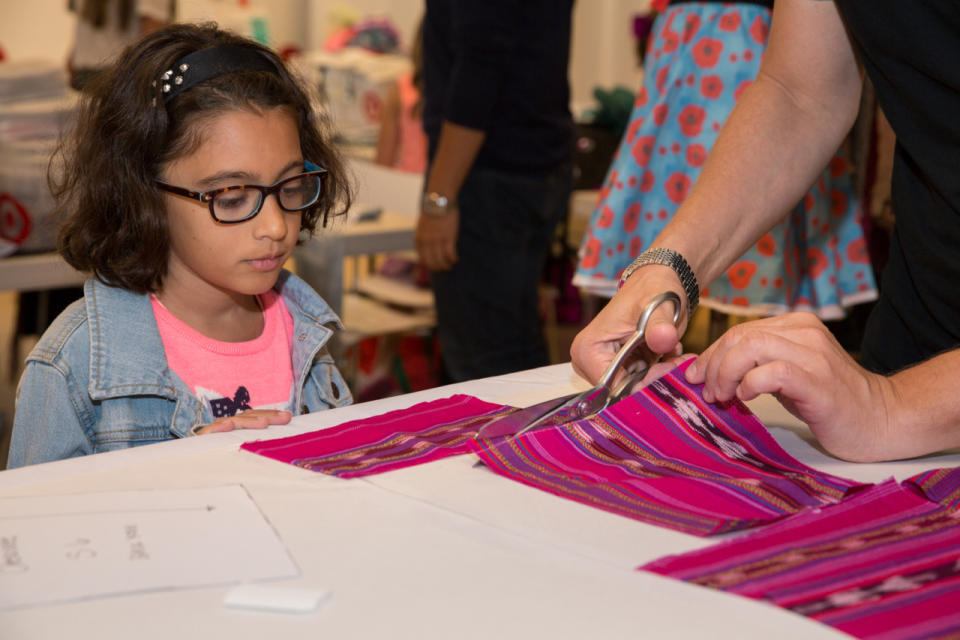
667 457
663 456
394 440
882 564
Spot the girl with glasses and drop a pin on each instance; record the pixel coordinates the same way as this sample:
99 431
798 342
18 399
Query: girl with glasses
194 166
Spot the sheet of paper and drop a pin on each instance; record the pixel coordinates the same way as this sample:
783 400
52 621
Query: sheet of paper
72 547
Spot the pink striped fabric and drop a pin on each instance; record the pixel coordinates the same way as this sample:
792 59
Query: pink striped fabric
397 439
667 457
663 456
883 564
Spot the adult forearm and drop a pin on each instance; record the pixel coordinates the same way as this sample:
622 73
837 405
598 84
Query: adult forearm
457 148
924 411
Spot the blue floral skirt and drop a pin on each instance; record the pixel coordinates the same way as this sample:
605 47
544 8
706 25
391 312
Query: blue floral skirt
701 57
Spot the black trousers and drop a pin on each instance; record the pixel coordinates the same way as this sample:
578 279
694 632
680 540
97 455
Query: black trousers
487 305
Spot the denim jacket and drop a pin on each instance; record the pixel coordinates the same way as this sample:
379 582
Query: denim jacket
98 379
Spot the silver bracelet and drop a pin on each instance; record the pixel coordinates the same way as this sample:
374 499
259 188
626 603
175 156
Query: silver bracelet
675 261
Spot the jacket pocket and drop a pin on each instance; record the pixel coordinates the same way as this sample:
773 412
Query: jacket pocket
131 422
325 388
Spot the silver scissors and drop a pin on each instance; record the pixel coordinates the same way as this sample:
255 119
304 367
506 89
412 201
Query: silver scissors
578 406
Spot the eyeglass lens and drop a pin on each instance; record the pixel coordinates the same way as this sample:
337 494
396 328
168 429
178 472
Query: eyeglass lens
299 192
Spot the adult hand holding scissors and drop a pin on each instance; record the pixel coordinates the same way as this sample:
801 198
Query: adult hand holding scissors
593 348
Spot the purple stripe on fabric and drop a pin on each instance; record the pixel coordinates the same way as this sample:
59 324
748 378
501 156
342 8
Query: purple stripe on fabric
883 563
667 457
394 440
939 485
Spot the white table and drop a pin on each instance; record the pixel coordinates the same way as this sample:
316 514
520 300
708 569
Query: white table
320 259
37 272
442 550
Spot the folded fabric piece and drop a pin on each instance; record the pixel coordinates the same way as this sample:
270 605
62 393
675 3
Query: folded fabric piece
883 564
406 437
667 457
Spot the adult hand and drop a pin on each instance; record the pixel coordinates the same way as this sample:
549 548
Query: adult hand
249 419
436 240
594 347
796 358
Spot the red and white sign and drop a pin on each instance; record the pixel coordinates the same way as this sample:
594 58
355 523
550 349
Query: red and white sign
15 222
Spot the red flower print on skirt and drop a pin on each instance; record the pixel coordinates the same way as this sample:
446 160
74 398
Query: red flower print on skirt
677 186
711 87
606 217
741 274
662 78
591 253
857 251
696 155
633 216
729 22
838 202
838 166
707 51
816 262
691 119
633 128
767 246
647 182
670 41
641 98
660 113
690 28
759 30
642 149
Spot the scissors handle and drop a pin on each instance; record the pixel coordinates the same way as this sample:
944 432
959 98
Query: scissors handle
640 334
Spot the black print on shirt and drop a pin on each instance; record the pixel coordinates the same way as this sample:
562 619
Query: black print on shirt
225 407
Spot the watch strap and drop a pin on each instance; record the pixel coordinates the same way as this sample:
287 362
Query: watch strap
672 259
434 204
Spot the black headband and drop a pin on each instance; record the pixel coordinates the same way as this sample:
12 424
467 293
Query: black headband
206 64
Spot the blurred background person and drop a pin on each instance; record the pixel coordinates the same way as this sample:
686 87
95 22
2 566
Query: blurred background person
402 143
496 112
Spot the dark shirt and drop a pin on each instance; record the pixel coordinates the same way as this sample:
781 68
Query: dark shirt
911 51
501 66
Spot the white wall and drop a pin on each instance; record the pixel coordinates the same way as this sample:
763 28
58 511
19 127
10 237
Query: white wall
31 29
603 50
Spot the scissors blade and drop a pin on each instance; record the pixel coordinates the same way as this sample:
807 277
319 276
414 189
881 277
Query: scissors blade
517 421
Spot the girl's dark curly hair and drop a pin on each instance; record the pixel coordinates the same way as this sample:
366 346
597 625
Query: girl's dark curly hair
113 218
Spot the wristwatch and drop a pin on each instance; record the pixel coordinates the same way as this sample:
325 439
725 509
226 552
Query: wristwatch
434 204
675 261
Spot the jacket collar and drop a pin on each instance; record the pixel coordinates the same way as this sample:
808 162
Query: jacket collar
127 355
301 298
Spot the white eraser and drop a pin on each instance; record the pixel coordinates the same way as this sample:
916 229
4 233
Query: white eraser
279 599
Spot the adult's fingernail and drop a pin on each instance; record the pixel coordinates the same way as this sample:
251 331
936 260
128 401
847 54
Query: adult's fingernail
692 371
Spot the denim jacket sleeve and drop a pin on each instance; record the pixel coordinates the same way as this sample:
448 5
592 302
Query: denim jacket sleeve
53 416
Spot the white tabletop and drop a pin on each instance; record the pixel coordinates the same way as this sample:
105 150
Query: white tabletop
442 550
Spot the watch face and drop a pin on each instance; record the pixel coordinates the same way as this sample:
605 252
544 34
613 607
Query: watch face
435 204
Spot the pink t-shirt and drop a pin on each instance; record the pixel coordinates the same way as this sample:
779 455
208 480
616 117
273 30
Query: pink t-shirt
231 377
